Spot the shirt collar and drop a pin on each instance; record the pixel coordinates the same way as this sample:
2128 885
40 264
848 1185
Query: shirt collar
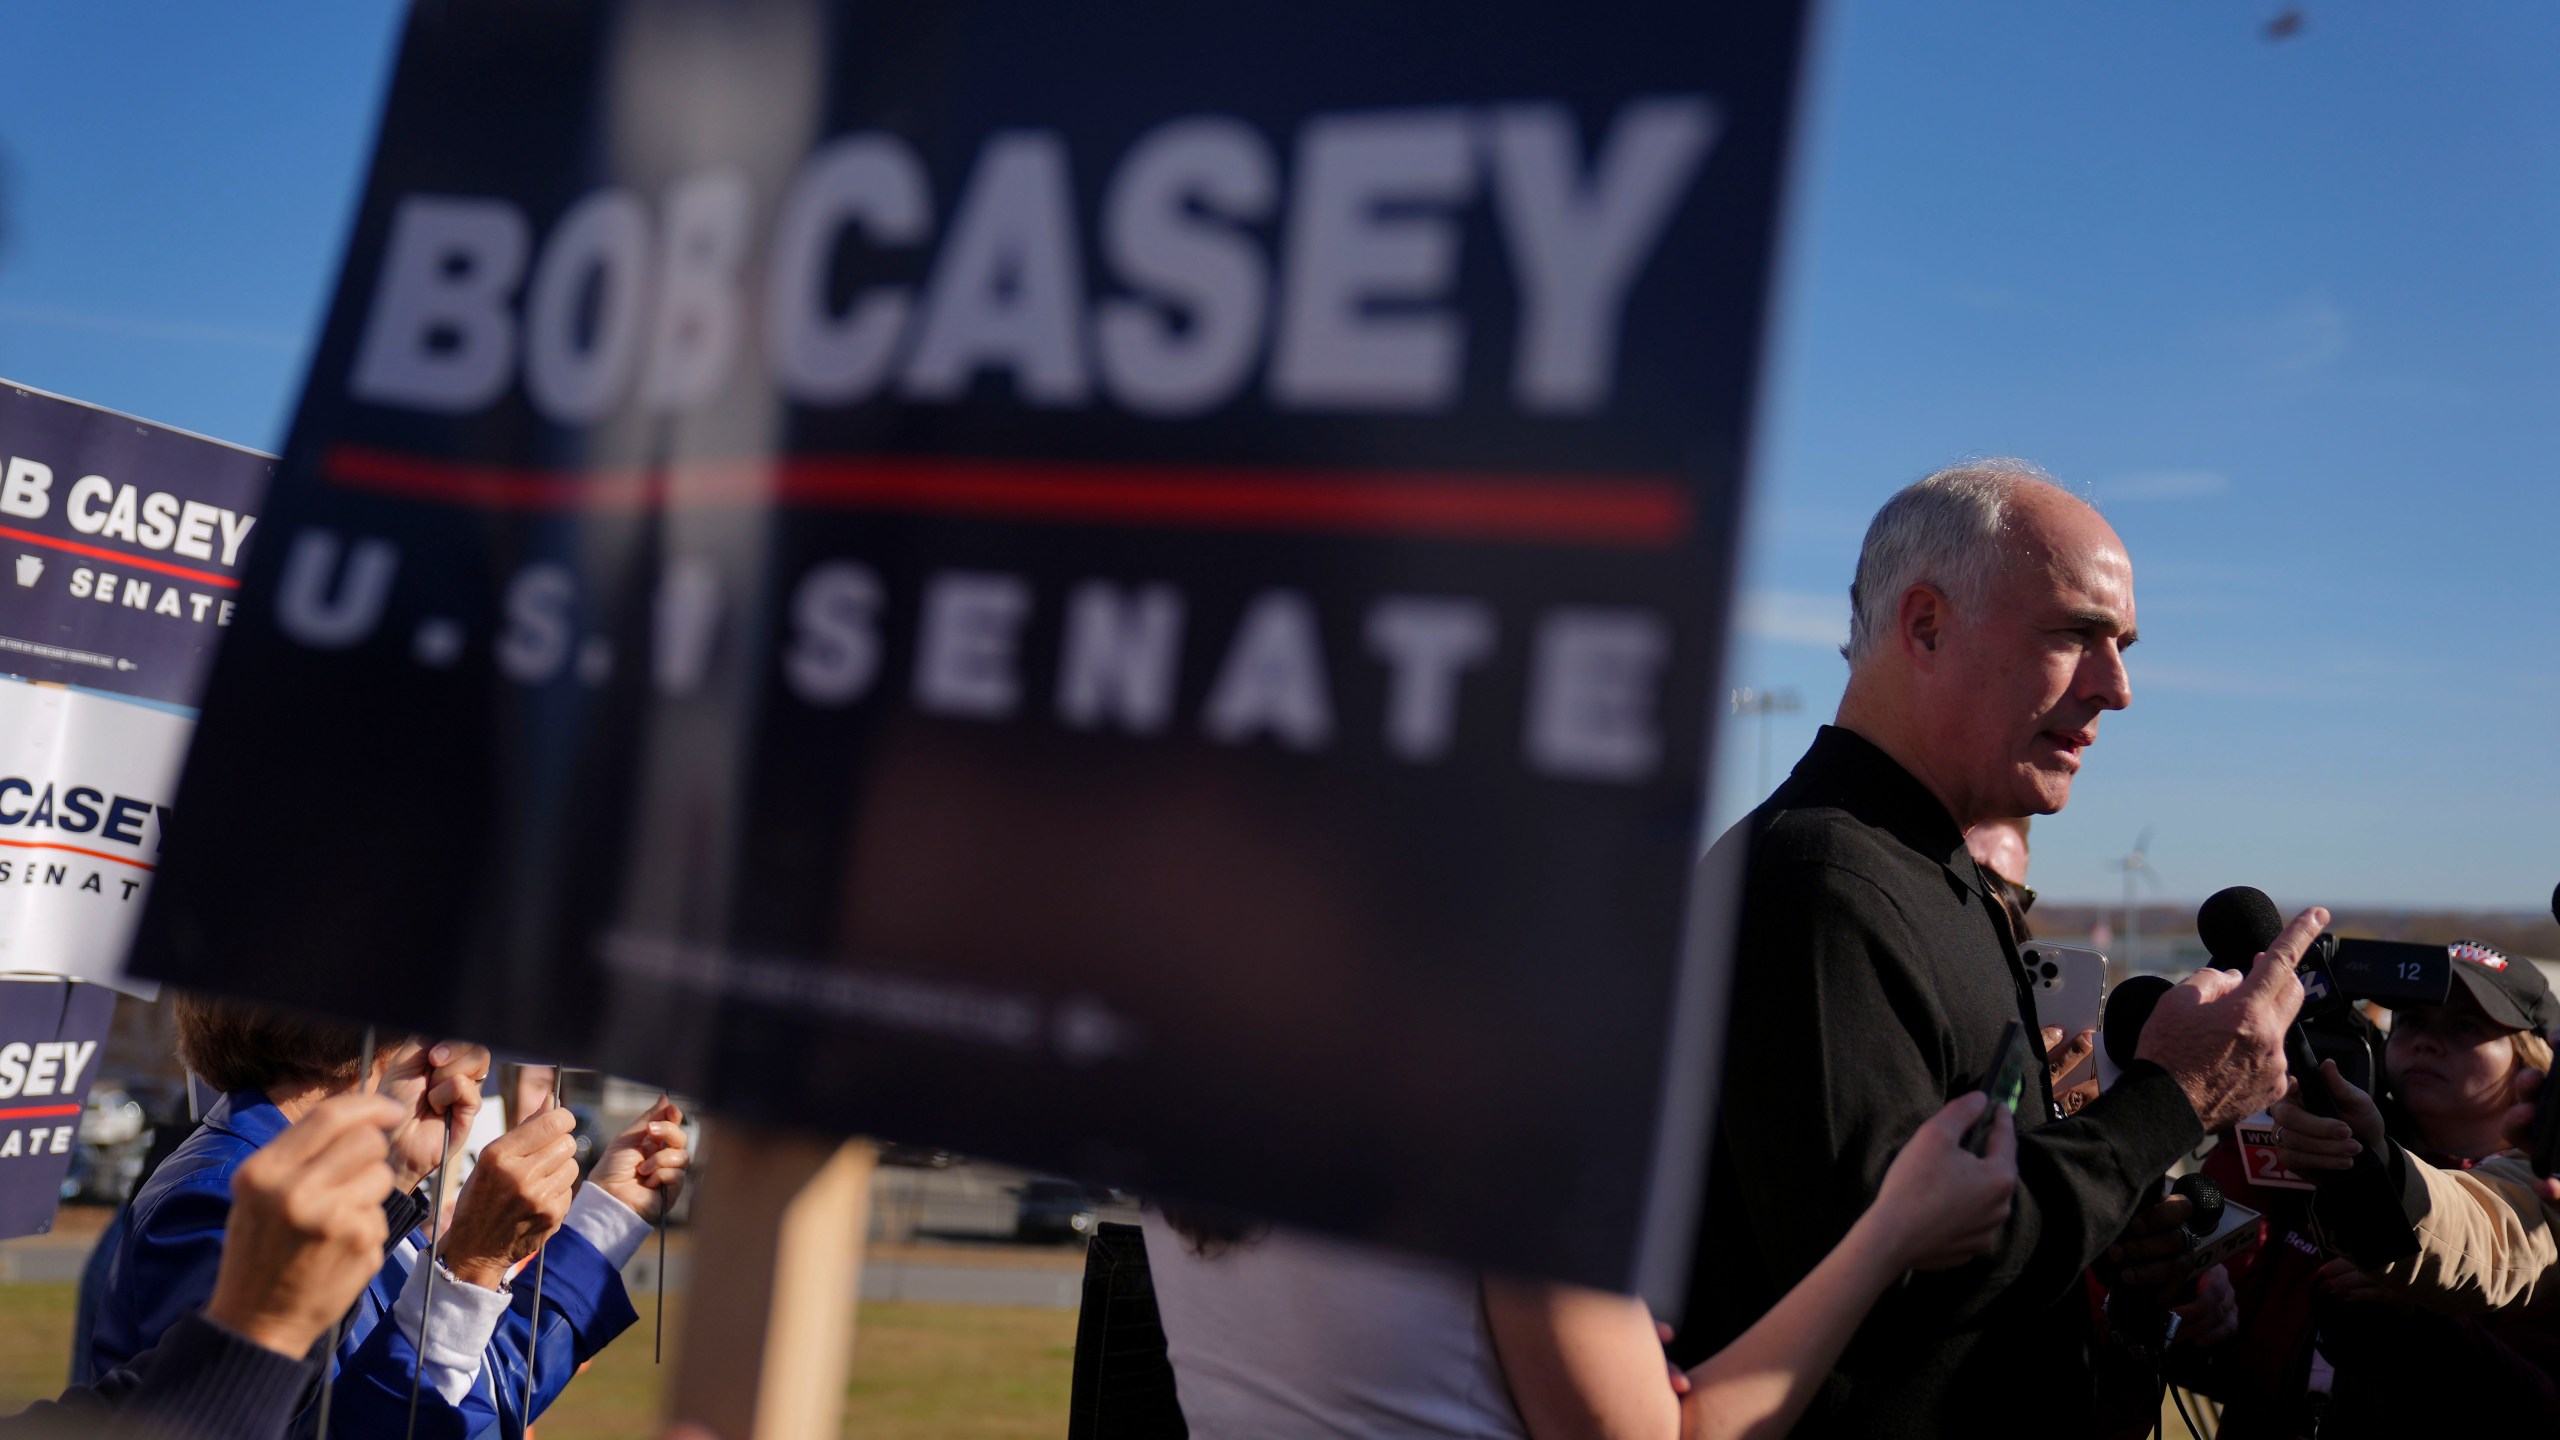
1846 770
248 1114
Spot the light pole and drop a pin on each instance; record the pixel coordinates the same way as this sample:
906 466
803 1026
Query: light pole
1766 704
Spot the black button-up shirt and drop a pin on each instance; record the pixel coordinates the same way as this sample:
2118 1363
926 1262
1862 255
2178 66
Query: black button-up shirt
1871 982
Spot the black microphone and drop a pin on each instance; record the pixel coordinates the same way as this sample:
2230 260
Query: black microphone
2363 1206
2237 924
2129 1008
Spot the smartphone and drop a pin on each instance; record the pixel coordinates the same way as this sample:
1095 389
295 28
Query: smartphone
2070 985
2005 1084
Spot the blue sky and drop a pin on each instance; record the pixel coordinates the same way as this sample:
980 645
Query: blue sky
2289 311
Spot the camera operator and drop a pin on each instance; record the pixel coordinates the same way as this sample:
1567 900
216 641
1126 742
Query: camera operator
2488 1232
2383 1366
1874 973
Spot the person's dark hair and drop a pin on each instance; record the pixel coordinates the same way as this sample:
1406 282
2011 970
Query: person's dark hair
236 1045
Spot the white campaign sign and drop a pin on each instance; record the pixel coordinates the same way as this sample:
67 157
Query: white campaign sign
85 785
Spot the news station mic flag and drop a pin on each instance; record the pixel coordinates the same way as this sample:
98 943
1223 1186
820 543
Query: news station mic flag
1136 590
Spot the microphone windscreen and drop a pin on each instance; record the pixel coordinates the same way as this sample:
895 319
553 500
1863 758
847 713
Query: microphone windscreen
2236 924
2129 1008
2555 902
2207 1198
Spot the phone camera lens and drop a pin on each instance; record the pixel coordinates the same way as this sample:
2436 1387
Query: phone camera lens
2051 970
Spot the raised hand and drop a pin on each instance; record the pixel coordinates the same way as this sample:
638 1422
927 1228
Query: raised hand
646 1160
440 1083
2155 1251
2221 1036
516 1198
1943 1204
2062 1060
2308 1142
2213 1316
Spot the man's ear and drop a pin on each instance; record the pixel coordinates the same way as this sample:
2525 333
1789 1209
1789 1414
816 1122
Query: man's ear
1920 623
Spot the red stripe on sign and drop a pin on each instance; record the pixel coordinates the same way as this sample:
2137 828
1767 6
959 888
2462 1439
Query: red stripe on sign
39 1112
130 562
76 850
1644 512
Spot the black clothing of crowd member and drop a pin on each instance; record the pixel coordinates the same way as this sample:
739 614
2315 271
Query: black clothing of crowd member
1875 972
306 1232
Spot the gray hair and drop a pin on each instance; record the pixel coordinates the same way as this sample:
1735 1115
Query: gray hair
1944 531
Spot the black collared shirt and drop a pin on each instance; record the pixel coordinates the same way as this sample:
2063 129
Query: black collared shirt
1871 983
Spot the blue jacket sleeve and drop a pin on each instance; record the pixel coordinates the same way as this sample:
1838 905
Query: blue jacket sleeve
164 1269
370 1394
584 1306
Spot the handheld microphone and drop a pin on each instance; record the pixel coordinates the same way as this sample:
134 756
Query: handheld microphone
2361 1204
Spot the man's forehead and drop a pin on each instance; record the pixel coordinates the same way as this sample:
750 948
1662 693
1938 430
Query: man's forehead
2065 549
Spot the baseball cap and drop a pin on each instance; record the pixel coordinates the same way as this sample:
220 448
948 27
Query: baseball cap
2512 992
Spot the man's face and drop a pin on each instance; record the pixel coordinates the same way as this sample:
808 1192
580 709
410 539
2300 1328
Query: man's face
2019 687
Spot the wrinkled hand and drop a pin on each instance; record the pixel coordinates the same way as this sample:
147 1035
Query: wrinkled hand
306 1228
440 1083
647 1159
2340 1280
2213 1316
1942 1204
515 1199
2156 1252
2222 1036
2519 1127
2308 1143
2061 1060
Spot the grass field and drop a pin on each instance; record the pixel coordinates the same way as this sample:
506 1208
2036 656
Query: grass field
919 1371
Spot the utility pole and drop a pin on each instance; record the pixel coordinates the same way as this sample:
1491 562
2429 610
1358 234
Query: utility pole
1766 704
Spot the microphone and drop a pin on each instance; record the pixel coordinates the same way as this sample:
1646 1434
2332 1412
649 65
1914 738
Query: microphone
2362 1205
2129 1008
2217 1229
2236 924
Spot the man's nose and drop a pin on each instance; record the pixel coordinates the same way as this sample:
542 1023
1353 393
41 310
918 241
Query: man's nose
2103 678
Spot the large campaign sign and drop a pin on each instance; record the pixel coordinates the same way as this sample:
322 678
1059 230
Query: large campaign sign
50 1031
121 547
1137 590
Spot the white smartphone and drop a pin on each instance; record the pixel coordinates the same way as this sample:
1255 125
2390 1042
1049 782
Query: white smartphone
2071 993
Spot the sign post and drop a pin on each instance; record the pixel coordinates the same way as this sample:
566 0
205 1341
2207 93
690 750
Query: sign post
777 1264
1142 597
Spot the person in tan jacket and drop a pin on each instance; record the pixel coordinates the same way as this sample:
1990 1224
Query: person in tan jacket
2488 1231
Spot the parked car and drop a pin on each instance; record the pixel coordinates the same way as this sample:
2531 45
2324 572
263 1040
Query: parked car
106 1160
1048 1210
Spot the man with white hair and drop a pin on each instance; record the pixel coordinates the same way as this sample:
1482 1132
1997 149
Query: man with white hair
1875 972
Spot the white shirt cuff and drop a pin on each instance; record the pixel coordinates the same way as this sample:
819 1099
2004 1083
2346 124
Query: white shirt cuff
458 1332
606 1223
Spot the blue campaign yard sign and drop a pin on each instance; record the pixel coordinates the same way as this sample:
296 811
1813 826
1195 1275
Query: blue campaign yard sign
50 1032
1138 590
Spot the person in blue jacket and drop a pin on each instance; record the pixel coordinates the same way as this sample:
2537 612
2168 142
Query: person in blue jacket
480 1331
